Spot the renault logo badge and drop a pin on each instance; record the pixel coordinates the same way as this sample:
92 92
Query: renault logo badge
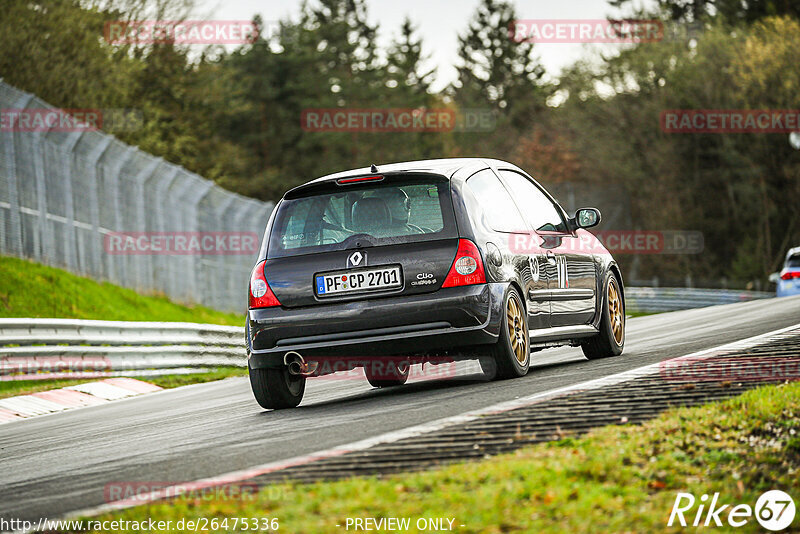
356 259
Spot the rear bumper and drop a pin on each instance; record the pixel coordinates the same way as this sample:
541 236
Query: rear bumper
447 319
787 288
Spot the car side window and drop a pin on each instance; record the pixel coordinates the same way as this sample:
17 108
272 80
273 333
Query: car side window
539 210
496 202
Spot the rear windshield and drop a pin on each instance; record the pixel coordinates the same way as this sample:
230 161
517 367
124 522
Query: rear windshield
366 214
793 261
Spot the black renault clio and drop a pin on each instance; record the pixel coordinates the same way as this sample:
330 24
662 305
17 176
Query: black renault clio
466 257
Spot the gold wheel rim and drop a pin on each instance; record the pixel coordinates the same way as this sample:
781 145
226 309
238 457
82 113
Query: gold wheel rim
517 329
615 312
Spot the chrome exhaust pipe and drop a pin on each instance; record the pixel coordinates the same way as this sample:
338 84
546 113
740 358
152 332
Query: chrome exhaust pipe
295 363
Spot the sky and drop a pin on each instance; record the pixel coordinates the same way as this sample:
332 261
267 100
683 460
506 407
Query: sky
439 22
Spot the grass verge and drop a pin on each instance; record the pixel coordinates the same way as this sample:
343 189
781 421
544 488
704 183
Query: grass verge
639 313
614 479
29 289
13 388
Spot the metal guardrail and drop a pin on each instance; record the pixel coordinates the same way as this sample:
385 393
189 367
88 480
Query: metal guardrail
662 299
29 346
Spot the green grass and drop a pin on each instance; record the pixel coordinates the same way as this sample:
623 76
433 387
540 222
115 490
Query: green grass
615 479
29 289
639 313
174 381
13 388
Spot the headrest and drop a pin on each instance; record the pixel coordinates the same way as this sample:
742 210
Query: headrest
370 213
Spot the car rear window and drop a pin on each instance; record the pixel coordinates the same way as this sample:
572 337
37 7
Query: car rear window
793 261
394 210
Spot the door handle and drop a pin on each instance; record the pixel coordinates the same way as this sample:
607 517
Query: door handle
551 258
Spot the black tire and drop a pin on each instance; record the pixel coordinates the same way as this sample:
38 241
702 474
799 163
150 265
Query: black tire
505 352
385 374
275 389
609 342
488 366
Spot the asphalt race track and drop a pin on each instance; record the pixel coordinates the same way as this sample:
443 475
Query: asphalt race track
57 464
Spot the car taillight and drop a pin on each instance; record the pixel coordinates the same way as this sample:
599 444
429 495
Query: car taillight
260 294
789 275
344 181
467 268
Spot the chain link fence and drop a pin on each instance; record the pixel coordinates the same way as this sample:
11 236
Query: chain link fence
65 194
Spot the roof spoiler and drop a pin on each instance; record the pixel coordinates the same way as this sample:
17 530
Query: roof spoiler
332 185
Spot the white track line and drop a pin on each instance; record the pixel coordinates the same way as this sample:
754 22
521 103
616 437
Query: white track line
390 437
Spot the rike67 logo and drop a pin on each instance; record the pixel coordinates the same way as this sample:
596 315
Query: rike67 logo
774 510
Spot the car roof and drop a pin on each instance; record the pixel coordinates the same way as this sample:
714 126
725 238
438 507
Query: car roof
444 166
792 252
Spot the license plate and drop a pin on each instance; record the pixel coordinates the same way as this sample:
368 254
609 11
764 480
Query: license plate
357 281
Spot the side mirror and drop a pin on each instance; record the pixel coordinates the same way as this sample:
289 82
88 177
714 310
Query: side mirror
774 277
587 217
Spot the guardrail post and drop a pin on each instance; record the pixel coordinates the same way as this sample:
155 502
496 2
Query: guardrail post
141 220
38 233
166 272
5 182
190 189
95 259
217 269
116 268
43 240
70 247
13 241
193 220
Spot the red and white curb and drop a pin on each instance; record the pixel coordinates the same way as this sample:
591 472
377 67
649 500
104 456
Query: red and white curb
58 400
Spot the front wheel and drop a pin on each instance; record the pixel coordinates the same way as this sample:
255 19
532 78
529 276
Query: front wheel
275 389
611 339
512 352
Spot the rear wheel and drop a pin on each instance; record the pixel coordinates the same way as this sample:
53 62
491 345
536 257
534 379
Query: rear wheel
387 374
512 352
275 389
611 339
